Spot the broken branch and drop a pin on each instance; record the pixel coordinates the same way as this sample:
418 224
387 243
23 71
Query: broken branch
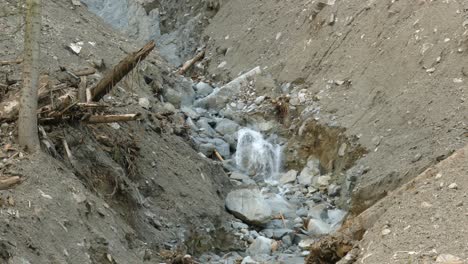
9 183
96 119
106 84
218 155
191 62
82 89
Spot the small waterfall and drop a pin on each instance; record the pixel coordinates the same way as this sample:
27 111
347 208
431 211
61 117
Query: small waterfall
257 156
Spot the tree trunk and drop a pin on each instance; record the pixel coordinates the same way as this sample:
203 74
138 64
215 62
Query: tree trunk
27 119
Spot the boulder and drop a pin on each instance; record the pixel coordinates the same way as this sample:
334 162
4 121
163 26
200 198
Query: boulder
207 145
243 178
189 112
249 260
203 89
169 107
226 127
318 227
220 96
318 211
249 206
311 170
260 246
322 181
279 206
288 177
204 124
144 102
172 96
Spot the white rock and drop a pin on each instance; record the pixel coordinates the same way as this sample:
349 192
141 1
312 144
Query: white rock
306 243
261 245
342 150
144 102
259 100
278 35
248 260
222 65
453 186
249 206
311 170
336 217
115 126
386 231
318 227
448 259
288 177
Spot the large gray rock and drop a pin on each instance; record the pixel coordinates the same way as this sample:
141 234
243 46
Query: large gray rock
204 124
231 139
189 112
249 206
318 227
203 89
226 127
243 178
220 96
260 246
249 260
288 177
280 206
129 16
311 170
179 92
208 145
172 96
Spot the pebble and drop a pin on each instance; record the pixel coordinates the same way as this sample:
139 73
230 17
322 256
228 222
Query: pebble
426 205
144 102
449 259
453 186
416 157
386 232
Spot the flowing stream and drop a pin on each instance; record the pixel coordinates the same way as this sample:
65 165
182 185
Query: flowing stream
257 156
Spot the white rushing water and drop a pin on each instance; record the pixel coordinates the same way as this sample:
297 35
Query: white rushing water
255 155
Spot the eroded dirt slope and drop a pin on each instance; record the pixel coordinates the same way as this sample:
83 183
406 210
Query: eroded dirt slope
130 190
425 221
393 73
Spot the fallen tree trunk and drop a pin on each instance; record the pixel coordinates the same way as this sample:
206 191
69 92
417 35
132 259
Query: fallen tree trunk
96 119
191 62
9 183
106 84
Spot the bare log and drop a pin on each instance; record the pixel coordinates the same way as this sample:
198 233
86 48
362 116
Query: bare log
82 89
9 183
191 62
218 155
91 105
89 96
96 119
106 84
10 62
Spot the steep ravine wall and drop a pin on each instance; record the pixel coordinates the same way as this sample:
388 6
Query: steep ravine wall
176 26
